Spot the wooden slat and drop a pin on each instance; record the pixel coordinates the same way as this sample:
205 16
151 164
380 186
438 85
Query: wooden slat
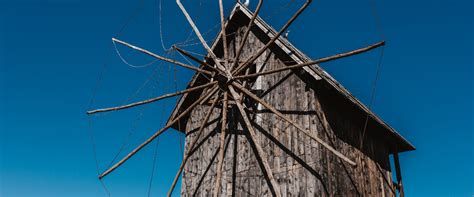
191 146
259 152
276 112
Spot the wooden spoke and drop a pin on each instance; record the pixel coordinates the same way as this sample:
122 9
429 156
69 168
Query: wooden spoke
209 167
260 52
217 188
192 144
223 34
326 59
161 57
201 39
246 35
259 153
187 54
234 163
158 133
152 99
276 112
292 155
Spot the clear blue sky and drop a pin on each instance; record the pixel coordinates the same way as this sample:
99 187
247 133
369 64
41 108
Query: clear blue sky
52 53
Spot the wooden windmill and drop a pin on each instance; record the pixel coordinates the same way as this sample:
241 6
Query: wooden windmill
261 118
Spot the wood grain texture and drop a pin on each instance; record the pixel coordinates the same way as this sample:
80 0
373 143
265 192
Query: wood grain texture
313 106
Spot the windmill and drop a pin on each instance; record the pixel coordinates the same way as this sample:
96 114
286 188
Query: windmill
234 85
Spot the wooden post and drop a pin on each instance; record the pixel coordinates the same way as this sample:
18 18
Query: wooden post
398 174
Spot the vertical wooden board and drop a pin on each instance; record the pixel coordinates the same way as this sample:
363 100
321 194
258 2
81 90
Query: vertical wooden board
298 102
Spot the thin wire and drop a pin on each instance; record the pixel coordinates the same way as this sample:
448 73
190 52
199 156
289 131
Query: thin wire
189 62
155 155
138 118
156 148
91 132
129 64
379 65
150 78
376 16
377 74
374 88
131 16
188 40
161 27
176 89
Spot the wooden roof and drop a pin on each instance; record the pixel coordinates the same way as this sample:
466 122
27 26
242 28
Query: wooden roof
241 15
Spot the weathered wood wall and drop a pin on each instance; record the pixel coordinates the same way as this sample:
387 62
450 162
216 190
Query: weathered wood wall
301 166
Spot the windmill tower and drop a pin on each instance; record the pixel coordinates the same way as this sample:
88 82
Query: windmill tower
261 118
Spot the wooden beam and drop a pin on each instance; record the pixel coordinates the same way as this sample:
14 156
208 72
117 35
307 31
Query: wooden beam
191 146
158 133
276 112
259 153
217 187
187 54
398 174
260 52
152 99
293 155
326 59
162 58
209 167
201 39
326 127
246 35
223 34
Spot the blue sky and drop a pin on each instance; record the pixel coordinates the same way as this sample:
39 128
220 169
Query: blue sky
53 51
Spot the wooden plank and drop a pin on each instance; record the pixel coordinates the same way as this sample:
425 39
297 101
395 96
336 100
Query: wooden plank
259 153
193 143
